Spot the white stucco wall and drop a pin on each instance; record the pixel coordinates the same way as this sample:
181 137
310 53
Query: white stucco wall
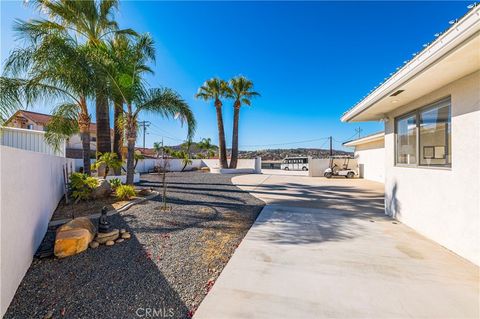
30 189
442 204
371 156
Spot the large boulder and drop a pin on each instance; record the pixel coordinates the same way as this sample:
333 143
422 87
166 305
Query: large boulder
102 190
73 237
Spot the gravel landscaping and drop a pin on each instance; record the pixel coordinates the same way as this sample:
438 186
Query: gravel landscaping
167 267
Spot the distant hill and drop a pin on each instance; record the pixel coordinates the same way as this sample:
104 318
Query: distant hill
275 154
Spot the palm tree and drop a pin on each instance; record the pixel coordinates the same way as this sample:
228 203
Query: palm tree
120 51
241 91
124 72
215 89
51 69
206 145
108 160
157 147
92 21
163 101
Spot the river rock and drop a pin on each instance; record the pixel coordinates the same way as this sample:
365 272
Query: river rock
102 238
94 244
102 190
73 237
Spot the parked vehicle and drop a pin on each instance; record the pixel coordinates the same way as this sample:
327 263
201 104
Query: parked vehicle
334 169
295 164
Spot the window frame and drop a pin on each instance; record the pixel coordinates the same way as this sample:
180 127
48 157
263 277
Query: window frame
417 113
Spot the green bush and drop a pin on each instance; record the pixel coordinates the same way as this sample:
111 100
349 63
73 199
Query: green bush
125 192
81 186
115 183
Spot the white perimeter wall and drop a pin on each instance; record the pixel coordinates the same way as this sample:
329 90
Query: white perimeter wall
442 204
372 157
30 189
175 164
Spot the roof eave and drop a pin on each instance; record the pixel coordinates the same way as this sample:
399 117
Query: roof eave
462 30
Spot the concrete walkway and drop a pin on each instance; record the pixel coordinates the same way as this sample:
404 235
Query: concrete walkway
323 249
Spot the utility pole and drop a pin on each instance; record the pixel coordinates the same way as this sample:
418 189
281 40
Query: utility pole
359 131
144 124
331 150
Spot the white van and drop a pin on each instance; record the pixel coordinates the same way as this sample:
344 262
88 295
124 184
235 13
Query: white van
295 164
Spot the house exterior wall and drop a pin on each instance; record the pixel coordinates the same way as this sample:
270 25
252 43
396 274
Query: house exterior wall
371 160
442 203
23 122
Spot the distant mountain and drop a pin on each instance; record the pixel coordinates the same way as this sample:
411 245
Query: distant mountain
280 154
274 154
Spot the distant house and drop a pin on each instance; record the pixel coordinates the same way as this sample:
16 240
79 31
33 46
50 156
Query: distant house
370 155
431 111
37 121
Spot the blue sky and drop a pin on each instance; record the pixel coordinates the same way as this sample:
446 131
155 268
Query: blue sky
311 61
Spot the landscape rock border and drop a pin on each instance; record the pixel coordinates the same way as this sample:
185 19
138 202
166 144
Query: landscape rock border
109 213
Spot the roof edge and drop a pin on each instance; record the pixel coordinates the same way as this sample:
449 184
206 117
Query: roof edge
366 139
454 36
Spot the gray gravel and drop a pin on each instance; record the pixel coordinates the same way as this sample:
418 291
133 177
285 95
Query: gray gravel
168 266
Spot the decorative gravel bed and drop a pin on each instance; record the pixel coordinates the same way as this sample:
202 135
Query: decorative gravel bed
167 267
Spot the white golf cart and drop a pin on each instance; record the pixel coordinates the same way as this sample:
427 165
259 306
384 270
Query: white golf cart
335 170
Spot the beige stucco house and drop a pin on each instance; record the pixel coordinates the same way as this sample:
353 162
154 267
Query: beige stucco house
369 151
37 121
431 110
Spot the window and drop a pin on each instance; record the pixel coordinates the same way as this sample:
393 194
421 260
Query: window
93 139
426 132
30 127
407 140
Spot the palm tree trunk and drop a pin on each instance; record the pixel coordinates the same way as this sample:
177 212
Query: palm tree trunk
104 143
131 134
130 160
84 127
117 135
236 115
221 136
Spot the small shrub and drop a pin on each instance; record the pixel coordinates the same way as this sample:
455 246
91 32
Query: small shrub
81 186
115 183
125 192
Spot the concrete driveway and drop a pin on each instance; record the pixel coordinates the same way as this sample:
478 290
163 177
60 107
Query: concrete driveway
324 249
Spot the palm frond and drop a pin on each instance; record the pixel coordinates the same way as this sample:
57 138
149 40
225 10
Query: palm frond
167 103
62 125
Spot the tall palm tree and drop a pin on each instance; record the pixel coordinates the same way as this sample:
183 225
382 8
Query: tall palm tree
215 89
124 72
241 91
121 51
92 21
52 69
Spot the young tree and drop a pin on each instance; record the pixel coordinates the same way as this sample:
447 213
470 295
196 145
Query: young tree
241 91
214 90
